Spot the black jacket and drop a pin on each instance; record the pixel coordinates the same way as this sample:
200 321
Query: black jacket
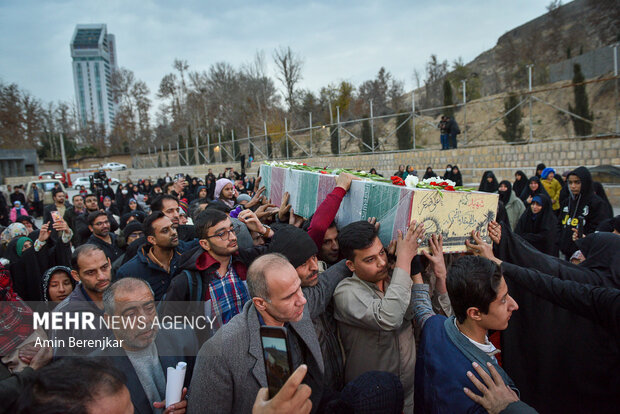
82 230
540 229
112 251
561 360
585 209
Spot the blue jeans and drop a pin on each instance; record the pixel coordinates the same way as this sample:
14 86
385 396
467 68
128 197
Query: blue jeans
444 141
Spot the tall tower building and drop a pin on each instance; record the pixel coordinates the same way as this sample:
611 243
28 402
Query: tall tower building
94 59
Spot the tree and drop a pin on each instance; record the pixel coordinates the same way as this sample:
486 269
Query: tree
582 107
513 130
366 136
334 137
404 135
289 67
447 98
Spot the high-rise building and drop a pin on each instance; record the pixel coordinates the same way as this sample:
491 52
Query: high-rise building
93 51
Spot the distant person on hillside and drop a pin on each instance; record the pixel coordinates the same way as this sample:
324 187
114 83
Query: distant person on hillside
443 132
453 131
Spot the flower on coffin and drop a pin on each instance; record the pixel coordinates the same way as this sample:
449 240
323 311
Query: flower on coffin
438 181
411 181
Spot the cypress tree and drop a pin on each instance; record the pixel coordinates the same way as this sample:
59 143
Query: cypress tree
333 137
403 134
582 107
513 130
447 98
366 136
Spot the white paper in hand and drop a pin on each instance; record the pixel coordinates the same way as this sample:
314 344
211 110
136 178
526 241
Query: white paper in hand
174 385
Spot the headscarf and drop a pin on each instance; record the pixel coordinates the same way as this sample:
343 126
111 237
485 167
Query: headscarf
505 195
519 185
601 252
48 275
219 185
19 246
429 173
456 177
528 192
14 230
488 187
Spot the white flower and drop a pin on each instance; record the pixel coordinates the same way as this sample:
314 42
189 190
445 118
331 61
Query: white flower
411 181
438 180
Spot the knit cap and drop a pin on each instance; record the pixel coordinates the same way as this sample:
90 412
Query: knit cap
294 243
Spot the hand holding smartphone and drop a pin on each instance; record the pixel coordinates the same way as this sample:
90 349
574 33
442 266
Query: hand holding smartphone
56 216
277 357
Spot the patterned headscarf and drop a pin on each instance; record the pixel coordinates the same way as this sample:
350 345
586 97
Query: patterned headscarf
14 230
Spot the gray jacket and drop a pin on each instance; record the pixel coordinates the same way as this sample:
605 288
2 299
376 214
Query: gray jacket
230 368
376 328
514 210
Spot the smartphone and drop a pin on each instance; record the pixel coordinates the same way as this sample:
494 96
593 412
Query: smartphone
55 216
580 227
277 357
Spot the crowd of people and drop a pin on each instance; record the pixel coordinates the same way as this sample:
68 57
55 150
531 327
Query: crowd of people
370 327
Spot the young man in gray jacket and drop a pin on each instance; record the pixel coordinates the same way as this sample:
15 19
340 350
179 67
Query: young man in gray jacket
373 309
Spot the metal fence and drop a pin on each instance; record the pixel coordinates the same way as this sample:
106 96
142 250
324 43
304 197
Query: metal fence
545 115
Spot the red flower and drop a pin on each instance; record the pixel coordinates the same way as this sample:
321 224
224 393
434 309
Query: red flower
323 172
397 180
434 183
304 164
448 188
443 183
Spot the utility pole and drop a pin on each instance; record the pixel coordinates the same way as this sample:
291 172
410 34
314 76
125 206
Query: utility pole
310 117
464 82
529 74
338 127
372 128
62 152
413 118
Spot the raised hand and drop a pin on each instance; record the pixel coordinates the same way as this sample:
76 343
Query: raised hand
285 207
496 395
495 232
436 256
407 244
45 232
481 248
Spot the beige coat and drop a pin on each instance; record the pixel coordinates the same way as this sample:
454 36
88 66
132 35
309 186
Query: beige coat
376 328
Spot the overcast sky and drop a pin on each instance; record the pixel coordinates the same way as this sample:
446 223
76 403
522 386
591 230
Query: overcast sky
338 40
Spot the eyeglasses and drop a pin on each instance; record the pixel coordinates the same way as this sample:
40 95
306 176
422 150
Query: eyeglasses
101 223
224 234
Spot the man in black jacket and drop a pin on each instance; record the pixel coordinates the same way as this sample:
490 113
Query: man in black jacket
81 221
99 225
583 210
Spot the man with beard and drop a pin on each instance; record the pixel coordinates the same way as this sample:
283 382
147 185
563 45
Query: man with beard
99 225
373 309
318 287
82 228
158 259
169 205
146 351
92 269
214 272
73 212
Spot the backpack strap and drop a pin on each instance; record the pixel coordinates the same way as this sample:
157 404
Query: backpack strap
195 285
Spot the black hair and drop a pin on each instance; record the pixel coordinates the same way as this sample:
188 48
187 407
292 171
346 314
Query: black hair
208 218
93 216
57 190
472 281
158 202
90 195
147 226
76 195
356 236
81 250
69 385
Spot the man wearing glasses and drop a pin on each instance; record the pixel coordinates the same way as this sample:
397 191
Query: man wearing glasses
213 274
99 226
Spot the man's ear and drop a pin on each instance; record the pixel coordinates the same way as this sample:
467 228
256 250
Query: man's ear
350 265
90 228
75 275
204 243
151 240
474 314
260 303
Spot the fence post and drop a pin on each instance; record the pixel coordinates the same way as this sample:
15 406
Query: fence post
529 71
219 144
464 82
310 115
266 141
286 135
338 127
232 134
413 118
208 148
168 155
178 153
372 127
196 150
616 86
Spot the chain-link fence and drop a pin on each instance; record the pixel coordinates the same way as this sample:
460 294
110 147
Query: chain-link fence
550 112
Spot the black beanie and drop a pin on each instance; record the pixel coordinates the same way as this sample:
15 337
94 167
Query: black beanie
131 227
294 243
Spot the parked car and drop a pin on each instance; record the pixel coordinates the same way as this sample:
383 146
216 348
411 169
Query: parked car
46 175
46 186
114 166
60 176
85 181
